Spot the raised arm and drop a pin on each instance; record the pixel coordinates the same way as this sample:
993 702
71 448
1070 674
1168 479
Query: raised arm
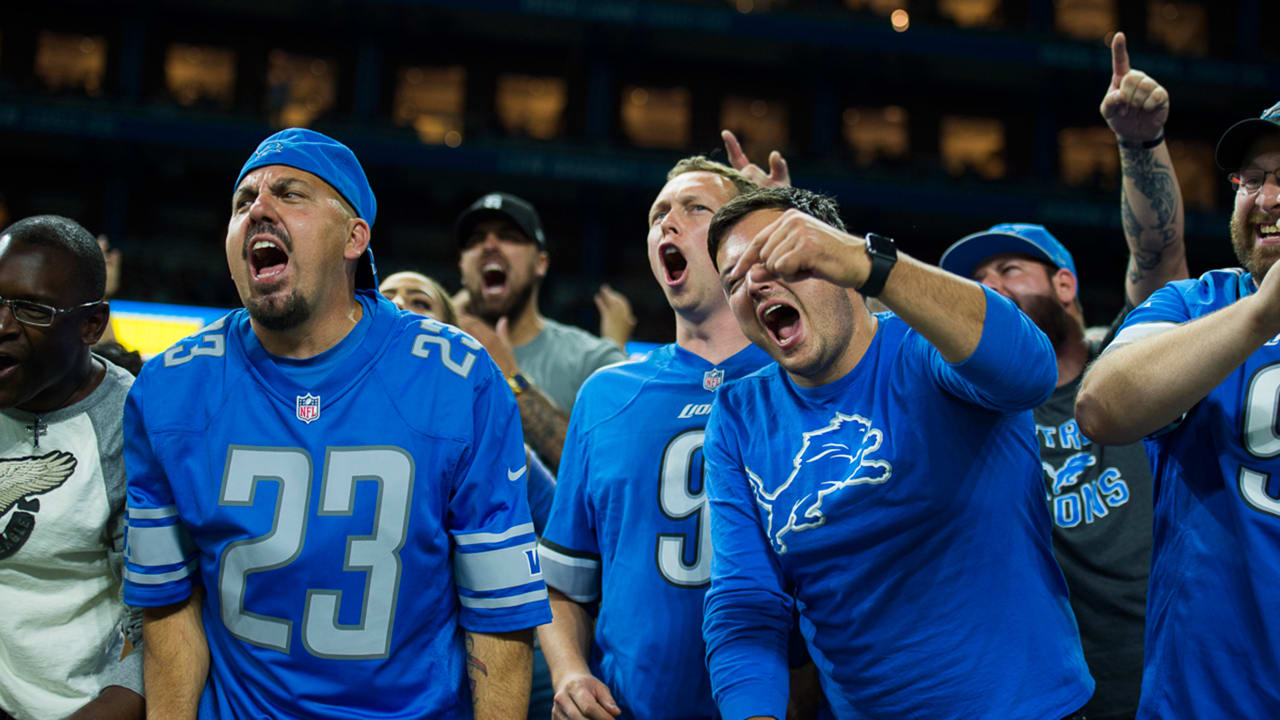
1138 387
544 424
946 309
1136 108
500 668
175 659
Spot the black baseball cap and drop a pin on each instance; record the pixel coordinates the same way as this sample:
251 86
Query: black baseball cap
1236 140
503 206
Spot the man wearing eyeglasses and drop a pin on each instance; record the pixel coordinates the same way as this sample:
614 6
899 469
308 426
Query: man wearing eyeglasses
64 625
1196 371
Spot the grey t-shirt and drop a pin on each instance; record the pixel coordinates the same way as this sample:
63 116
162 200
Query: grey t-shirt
1100 501
560 358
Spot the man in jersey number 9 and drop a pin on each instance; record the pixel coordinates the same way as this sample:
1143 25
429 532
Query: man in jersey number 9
1197 361
321 522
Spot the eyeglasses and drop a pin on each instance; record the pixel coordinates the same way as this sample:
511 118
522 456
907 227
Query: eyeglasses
1252 180
38 314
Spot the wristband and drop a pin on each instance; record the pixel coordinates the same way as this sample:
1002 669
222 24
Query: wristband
1141 144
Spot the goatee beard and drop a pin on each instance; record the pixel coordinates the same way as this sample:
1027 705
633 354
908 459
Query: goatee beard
293 312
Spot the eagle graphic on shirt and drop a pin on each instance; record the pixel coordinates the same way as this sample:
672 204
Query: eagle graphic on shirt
33 475
831 458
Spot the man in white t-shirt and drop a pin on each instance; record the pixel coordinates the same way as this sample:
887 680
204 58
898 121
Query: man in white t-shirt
65 633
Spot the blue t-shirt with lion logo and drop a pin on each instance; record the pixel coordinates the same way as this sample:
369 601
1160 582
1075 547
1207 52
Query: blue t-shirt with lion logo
900 510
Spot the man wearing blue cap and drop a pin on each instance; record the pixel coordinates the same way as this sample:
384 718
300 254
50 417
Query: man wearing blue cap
1195 370
1100 496
326 504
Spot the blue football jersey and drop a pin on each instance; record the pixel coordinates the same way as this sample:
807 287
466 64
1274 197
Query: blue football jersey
1213 604
628 526
345 532
900 509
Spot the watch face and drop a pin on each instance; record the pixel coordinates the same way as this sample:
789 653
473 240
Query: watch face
881 245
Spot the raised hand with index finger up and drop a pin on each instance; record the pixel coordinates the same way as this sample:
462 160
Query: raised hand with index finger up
778 176
1135 106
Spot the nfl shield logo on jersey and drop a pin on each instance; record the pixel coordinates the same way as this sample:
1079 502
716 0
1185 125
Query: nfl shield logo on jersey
308 408
712 379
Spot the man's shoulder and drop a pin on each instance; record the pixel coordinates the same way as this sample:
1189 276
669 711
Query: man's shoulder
560 332
1212 290
755 391
192 355
610 389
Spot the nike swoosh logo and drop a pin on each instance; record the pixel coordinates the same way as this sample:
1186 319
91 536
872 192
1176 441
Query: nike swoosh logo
517 474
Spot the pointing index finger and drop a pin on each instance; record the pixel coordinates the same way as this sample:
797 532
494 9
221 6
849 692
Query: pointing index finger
1119 59
737 158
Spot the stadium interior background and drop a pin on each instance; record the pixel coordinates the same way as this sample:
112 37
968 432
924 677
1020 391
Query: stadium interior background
927 119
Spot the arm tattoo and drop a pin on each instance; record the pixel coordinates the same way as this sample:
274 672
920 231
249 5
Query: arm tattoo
475 668
545 426
1155 182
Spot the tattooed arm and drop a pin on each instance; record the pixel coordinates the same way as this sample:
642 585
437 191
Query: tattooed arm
545 425
1151 210
500 668
1136 108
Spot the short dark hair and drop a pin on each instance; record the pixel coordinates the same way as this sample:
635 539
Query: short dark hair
822 207
54 231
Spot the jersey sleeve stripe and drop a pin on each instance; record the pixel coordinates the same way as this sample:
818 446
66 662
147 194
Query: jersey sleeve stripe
480 538
157 545
565 556
145 578
577 578
498 569
492 603
1137 332
159 513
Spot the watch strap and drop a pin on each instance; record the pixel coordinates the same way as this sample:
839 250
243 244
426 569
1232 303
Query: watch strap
884 254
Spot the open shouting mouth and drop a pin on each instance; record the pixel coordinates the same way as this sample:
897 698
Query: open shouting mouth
268 258
493 278
674 263
781 321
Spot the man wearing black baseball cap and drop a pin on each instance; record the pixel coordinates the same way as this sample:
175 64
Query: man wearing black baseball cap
503 261
1100 497
1194 370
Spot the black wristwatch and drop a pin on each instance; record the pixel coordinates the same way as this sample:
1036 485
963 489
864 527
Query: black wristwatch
883 256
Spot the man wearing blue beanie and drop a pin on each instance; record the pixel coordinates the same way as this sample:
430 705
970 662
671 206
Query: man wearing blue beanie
327 505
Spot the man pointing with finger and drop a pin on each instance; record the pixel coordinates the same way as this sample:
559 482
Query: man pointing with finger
1100 496
1194 371
882 481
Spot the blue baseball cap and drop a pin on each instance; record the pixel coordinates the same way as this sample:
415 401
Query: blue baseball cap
970 251
330 161
1236 140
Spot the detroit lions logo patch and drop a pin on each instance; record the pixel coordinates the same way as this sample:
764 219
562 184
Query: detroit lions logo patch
842 452
1070 472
